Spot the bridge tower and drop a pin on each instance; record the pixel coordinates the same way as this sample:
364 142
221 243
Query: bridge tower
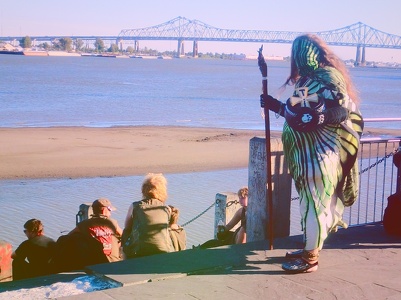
358 56
120 42
363 61
360 59
195 49
136 46
180 49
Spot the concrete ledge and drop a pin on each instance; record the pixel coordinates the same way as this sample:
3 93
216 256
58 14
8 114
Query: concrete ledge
357 263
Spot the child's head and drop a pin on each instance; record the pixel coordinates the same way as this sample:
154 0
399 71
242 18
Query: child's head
243 196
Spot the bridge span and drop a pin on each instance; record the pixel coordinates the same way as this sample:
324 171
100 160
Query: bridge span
181 29
357 35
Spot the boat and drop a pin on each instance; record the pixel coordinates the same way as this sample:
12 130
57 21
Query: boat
6 48
14 52
98 55
164 57
144 56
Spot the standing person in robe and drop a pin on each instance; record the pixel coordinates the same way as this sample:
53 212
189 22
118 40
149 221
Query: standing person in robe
321 134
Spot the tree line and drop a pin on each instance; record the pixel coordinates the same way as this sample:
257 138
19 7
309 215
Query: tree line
67 44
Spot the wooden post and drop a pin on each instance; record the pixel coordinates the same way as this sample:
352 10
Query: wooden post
257 213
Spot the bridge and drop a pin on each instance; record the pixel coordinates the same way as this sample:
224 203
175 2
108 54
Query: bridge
357 35
181 29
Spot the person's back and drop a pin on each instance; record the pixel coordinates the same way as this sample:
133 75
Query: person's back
103 229
147 222
41 250
75 251
32 257
151 224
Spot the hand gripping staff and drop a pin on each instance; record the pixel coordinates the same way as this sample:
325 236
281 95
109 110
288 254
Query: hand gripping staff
269 195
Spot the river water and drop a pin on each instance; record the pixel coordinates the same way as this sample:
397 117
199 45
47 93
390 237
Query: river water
104 92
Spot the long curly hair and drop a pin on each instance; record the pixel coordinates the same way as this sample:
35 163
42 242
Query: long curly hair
325 58
155 186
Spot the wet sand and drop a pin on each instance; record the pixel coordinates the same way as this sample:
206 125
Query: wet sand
73 152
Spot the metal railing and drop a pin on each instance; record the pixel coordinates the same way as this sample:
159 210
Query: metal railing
378 180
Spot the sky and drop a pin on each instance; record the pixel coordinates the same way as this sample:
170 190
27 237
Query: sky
99 17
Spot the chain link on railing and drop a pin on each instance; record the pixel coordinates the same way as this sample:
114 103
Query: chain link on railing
228 204
198 216
295 198
378 162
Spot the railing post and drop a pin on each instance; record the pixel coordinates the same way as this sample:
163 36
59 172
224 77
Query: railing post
84 213
226 206
397 163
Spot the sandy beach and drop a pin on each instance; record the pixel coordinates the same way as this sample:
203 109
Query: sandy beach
73 152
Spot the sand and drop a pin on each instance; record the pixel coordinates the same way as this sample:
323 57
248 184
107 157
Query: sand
73 152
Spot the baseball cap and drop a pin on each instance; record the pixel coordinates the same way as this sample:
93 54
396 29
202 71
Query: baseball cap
103 202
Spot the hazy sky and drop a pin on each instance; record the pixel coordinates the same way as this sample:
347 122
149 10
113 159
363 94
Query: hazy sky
90 17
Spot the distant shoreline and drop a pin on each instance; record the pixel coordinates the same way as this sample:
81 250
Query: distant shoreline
349 62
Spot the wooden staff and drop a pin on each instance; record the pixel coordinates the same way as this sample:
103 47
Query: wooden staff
269 194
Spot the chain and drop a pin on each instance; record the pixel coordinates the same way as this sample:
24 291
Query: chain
229 203
295 198
379 161
198 216
202 213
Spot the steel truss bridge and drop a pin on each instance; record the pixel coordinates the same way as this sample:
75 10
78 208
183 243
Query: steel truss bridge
181 29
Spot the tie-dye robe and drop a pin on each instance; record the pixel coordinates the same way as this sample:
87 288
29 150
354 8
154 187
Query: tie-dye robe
323 162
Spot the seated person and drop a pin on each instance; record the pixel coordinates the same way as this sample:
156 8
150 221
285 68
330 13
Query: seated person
147 222
224 235
32 257
102 228
239 216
